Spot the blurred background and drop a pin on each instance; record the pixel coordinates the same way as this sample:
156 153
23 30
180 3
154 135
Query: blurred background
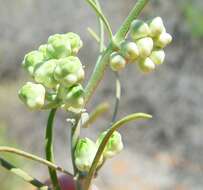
167 152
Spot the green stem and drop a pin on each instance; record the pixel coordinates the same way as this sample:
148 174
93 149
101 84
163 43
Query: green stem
22 174
118 97
49 148
75 132
101 24
33 157
134 13
96 113
102 61
101 16
104 142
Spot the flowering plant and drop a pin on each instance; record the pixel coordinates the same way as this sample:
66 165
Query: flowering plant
57 75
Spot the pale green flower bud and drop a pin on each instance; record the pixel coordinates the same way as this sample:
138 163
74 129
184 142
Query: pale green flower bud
156 26
139 29
129 51
146 65
43 50
84 154
75 41
69 71
163 40
32 95
145 46
58 46
44 73
117 62
157 56
31 60
114 145
72 96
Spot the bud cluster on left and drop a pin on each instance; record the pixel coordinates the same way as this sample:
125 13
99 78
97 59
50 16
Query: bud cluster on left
57 73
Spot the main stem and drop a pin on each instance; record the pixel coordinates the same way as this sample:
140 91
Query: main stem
102 61
49 148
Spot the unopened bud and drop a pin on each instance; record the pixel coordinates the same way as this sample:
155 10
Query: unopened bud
117 62
69 71
43 49
32 95
75 41
157 56
84 154
139 29
129 51
163 40
114 145
44 73
146 65
145 46
156 26
72 96
31 60
58 46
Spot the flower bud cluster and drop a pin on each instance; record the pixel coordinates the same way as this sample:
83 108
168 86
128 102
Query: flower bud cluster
86 150
57 72
146 48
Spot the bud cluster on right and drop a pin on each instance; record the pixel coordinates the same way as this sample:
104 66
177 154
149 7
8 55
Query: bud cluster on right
146 48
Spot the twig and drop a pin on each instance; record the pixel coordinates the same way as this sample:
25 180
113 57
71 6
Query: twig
101 16
34 158
118 96
22 174
105 140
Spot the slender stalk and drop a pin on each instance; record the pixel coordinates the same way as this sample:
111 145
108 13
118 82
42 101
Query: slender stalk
101 24
114 127
101 16
134 13
102 61
49 149
93 34
118 97
34 158
75 133
22 174
96 113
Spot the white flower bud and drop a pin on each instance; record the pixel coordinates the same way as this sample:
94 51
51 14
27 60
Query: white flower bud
156 26
157 56
129 51
44 73
84 154
31 60
117 62
145 46
32 95
139 29
114 145
146 65
163 40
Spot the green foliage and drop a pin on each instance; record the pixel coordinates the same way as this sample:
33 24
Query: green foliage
194 17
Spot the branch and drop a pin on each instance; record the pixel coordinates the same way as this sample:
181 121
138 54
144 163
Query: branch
101 16
22 174
114 127
33 157
102 61
96 113
118 96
